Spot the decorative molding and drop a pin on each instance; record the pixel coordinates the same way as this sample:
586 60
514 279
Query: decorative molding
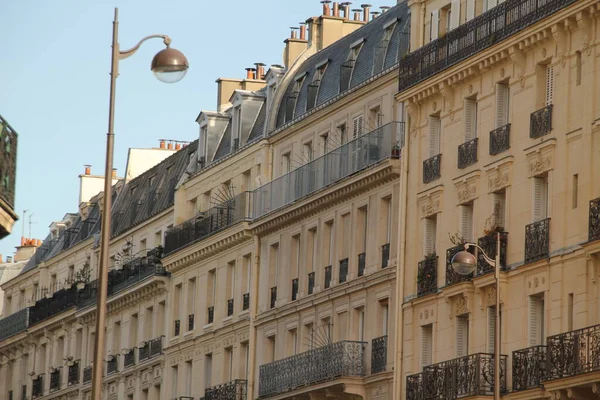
461 305
541 158
466 187
499 175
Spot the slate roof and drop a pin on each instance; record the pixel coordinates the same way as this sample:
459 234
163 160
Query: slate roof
337 54
224 147
259 125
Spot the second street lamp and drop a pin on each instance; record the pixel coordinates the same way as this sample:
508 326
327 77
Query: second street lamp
169 65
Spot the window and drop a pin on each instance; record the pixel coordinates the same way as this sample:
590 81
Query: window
237 134
375 118
348 67
270 350
570 314
435 128
176 307
274 264
212 287
286 163
313 245
466 222
502 103
499 207
149 323
536 320
429 235
330 237
246 273
228 364
203 143
381 48
574 199
231 271
313 88
175 380
133 331
360 324
246 358
470 9
549 84
325 142
434 26
540 198
387 219
385 314
342 326
357 126
470 119
462 335
207 371
191 300
363 226
247 180
307 150
295 265
116 341
189 376
343 135
426 345
158 239
290 102
292 345
578 68
491 331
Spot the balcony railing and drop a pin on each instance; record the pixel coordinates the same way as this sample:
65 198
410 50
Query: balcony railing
472 375
540 122
37 387
245 301
207 223
73 374
233 390
537 241
327 283
191 322
87 374
155 347
472 37
14 323
49 307
210 315
55 380
427 276
500 140
385 255
129 358
529 367
432 168
452 277
379 354
177 327
273 296
343 270
333 361
594 225
112 364
8 163
573 353
294 289
311 283
144 352
488 244
230 305
354 156
467 153
362 260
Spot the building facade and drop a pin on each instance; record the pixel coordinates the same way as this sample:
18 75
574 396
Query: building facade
8 174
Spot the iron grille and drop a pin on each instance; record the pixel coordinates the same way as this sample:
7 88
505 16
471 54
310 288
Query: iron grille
467 153
529 367
245 301
385 255
379 354
500 140
594 225
537 241
362 260
55 380
452 277
177 327
230 304
129 358
37 387
327 283
343 270
14 323
427 276
294 289
155 346
233 390
144 352
488 244
210 313
273 296
432 168
49 307
573 353
191 322
541 122
323 364
87 374
73 374
112 365
311 283
8 163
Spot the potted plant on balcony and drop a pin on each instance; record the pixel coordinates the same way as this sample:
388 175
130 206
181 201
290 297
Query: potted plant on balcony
396 150
69 361
82 276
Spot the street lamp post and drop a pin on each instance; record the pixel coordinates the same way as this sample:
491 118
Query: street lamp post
464 263
169 65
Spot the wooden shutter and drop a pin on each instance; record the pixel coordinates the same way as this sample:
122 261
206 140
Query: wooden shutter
549 84
535 320
470 9
455 16
470 119
434 136
462 336
357 126
429 236
435 25
491 331
540 199
498 210
426 345
502 99
466 222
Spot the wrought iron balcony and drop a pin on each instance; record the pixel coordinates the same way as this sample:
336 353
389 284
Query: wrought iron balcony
472 37
233 390
327 363
230 304
529 367
362 260
144 352
452 278
245 301
343 270
37 387
488 244
155 347
427 276
472 375
541 122
273 296
191 322
385 255
432 168
55 380
87 374
209 222
112 364
311 283
327 283
14 323
573 353
73 373
129 358
177 327
354 156
8 163
49 307
594 225
537 241
210 315
467 153
500 140
379 354
294 289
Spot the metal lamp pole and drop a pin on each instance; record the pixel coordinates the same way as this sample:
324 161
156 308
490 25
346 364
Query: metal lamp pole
168 62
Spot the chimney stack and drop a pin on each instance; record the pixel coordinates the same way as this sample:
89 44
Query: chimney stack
302 31
170 146
356 12
336 9
114 174
366 8
375 14
260 70
293 33
384 8
88 169
177 146
346 8
326 8
162 144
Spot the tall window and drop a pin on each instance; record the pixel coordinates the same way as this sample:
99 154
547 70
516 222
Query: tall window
330 237
360 324
175 381
291 99
499 209
426 345
286 163
357 126
313 88
470 119
430 232
536 320
434 27
387 219
435 129
189 377
348 67
385 314
307 150
491 331
549 84
578 68
466 222
502 104
191 297
228 364
292 345
540 198
342 133
462 335
177 304
207 371
470 10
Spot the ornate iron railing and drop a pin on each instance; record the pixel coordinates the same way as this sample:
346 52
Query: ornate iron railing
14 323
233 390
529 367
8 162
245 301
323 364
594 225
55 380
362 260
87 374
49 307
472 37
432 168
144 352
155 347
452 277
112 364
573 353
500 140
129 358
472 375
427 276
537 241
37 387
467 153
210 315
230 307
177 327
385 255
378 354
273 296
311 283
294 289
488 244
207 223
73 373
327 283
191 322
541 122
343 270
354 156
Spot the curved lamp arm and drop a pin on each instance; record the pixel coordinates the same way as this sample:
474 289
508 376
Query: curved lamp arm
128 53
487 259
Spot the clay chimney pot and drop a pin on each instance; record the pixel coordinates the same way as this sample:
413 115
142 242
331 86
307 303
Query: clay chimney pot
162 144
326 8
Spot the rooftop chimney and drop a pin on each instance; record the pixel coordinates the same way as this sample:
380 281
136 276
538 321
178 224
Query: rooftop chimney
302 31
366 8
88 169
356 12
177 146
384 8
170 146
346 9
260 70
114 173
375 14
326 8
294 32
163 145
336 9
9 259
0 258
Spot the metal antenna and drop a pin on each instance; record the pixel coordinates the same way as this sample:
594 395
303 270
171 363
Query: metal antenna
23 224
30 222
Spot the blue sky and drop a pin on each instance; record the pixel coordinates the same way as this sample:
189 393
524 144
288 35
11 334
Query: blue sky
54 82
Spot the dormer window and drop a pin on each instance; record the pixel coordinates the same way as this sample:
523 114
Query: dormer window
348 67
237 132
290 102
203 143
382 47
313 88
